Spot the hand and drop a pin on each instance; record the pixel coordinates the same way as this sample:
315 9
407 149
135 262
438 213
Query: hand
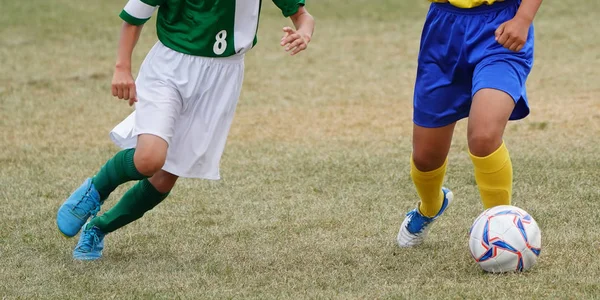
123 85
294 41
512 34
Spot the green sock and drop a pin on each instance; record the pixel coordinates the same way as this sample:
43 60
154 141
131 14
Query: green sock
139 199
115 172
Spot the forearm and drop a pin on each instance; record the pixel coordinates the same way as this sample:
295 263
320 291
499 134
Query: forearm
129 37
304 23
528 9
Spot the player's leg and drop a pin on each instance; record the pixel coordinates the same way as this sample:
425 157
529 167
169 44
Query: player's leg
489 116
203 128
138 200
428 165
127 165
131 164
498 95
442 97
149 157
195 147
86 200
428 168
148 132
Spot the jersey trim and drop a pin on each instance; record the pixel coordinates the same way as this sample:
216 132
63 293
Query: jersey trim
131 19
139 9
289 7
154 2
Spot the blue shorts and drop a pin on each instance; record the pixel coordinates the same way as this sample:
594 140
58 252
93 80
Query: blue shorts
460 56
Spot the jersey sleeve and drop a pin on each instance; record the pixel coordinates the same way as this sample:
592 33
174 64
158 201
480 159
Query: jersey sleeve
289 7
137 12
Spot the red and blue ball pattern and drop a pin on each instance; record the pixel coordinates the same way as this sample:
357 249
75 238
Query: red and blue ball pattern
504 239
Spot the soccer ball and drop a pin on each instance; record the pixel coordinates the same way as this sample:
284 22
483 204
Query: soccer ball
505 239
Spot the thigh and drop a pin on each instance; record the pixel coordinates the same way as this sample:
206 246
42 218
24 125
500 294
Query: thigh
444 78
207 114
507 73
499 68
490 110
159 100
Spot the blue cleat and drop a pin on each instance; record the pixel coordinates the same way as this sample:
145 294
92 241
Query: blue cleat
414 227
90 245
75 211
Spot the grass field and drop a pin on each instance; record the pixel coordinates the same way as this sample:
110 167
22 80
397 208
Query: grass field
315 174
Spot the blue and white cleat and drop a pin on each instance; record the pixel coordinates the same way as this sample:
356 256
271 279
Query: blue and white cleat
90 245
78 208
415 226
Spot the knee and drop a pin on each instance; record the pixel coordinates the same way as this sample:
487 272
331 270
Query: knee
483 143
428 159
147 162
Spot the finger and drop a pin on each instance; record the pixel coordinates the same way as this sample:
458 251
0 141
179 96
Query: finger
510 45
120 91
290 39
294 44
292 50
503 38
114 90
126 92
131 102
298 49
515 47
520 47
288 30
499 31
507 44
132 93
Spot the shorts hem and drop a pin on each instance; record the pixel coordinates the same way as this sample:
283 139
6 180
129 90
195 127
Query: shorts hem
121 143
521 110
439 124
156 134
191 175
514 97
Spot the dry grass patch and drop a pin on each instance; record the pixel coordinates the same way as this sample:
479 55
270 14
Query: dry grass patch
315 175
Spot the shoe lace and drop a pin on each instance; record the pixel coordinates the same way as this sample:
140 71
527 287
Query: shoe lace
90 239
424 221
87 204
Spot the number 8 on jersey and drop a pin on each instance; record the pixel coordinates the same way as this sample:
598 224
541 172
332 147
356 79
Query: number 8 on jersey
220 43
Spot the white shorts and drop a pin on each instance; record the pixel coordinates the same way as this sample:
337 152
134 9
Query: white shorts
189 101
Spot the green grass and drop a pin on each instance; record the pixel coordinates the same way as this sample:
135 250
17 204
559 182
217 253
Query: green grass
315 174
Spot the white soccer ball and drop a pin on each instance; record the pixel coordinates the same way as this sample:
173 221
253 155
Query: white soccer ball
505 239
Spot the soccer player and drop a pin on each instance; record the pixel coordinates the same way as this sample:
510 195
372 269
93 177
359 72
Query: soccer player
474 59
185 97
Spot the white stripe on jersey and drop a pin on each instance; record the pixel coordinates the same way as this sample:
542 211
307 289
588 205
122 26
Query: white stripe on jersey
139 9
246 23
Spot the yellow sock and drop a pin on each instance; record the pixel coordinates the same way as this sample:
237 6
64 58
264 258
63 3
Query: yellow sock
429 188
493 174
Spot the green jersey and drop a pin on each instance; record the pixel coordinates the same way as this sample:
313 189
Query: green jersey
210 28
